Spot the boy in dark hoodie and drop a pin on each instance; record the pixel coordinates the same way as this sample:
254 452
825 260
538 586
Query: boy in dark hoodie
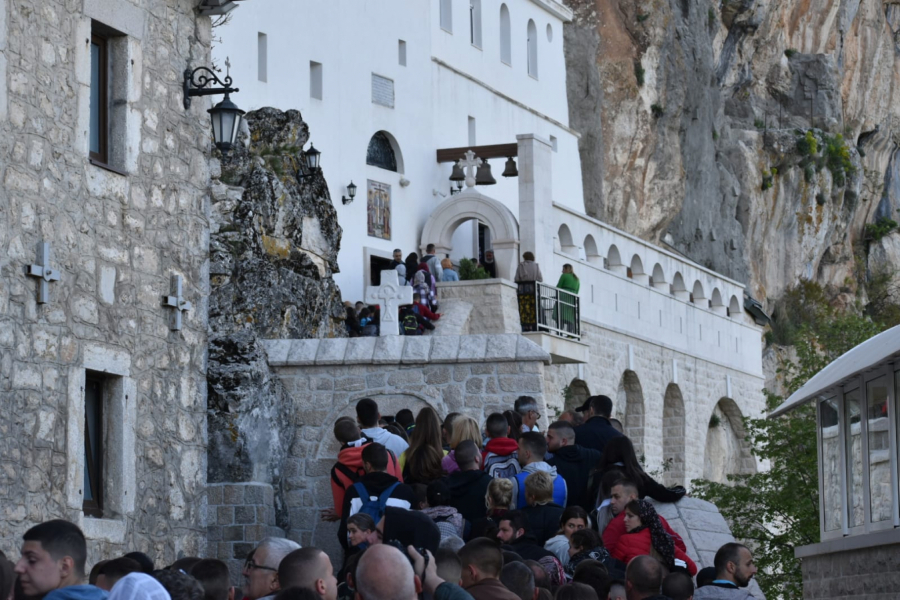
468 486
500 455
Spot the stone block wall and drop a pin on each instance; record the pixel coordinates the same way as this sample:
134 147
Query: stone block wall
474 375
240 515
116 240
863 574
494 307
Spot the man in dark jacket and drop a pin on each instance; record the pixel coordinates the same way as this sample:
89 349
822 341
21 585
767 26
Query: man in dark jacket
597 429
376 480
643 579
468 486
482 561
515 534
573 463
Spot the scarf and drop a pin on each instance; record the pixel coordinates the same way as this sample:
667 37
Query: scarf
659 538
599 553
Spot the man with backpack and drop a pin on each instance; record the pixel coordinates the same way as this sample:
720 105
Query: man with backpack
411 322
375 490
500 454
433 262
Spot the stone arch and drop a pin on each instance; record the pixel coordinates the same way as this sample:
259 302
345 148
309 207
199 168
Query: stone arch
590 250
577 393
637 270
673 436
471 204
679 290
566 243
631 397
698 296
727 450
659 278
384 152
734 307
716 303
614 260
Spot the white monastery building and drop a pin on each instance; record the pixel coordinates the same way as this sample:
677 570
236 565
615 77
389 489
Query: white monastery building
385 86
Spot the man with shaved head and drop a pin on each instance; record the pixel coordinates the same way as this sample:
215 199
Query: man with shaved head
574 463
308 568
383 573
643 578
469 485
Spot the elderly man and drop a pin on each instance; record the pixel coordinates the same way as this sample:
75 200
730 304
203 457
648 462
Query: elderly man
261 569
528 409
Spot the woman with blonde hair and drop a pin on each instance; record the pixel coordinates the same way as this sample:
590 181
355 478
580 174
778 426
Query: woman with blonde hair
464 428
497 501
421 462
448 274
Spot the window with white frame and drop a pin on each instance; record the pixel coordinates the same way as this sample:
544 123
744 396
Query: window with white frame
505 36
475 23
447 15
532 49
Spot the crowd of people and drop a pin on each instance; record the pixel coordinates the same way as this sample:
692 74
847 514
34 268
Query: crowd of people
452 509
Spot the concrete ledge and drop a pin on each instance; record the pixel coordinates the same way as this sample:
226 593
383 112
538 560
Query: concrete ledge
506 347
108 530
561 350
853 542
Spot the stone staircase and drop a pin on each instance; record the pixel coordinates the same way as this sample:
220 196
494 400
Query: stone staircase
454 319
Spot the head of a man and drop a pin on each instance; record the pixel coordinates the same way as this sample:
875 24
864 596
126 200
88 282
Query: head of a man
429 248
513 525
539 488
734 562
449 567
518 578
309 568
532 448
375 458
621 493
367 414
601 406
559 434
488 256
528 409
384 573
540 574
346 430
261 569
467 456
643 577
594 574
213 575
53 557
678 586
572 416
481 558
496 426
179 585
398 255
114 570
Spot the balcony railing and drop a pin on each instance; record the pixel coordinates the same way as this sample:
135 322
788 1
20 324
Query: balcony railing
549 309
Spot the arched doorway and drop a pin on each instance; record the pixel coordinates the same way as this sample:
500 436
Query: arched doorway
727 451
631 396
466 206
576 393
673 436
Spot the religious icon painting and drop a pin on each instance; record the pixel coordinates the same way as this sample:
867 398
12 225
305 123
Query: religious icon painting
378 209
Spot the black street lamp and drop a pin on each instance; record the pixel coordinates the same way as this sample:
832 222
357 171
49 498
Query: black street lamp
312 163
226 117
351 190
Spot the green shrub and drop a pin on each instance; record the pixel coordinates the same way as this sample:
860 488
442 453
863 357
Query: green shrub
837 159
711 15
643 17
790 52
657 110
639 73
880 228
768 179
809 172
715 134
759 123
808 145
469 271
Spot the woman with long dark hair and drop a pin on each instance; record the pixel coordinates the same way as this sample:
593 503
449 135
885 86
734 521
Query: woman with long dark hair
515 423
573 519
422 460
646 535
412 265
619 454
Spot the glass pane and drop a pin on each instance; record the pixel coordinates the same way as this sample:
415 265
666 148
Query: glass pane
92 399
832 502
855 505
880 492
95 98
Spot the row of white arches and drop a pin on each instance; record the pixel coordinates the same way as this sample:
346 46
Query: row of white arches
656 278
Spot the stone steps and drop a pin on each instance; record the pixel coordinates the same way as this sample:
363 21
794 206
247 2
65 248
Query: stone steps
454 317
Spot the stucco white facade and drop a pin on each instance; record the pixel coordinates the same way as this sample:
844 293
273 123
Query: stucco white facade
445 81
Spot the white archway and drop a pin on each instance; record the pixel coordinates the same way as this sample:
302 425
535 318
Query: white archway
465 206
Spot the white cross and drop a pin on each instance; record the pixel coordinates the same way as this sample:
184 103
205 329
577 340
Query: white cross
43 271
470 162
177 302
391 296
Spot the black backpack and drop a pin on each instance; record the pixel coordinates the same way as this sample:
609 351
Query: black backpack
409 325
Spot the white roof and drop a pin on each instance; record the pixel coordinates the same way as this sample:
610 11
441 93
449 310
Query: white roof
870 353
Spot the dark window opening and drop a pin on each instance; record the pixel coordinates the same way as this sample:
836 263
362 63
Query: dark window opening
381 153
377 264
99 128
93 445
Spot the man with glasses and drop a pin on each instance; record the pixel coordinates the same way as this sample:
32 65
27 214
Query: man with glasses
528 409
261 569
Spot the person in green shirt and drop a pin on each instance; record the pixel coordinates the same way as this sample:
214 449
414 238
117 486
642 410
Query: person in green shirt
568 282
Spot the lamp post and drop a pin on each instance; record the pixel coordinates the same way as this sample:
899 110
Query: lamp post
226 117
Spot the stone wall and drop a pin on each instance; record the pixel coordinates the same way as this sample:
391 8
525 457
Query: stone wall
116 240
490 307
863 574
474 375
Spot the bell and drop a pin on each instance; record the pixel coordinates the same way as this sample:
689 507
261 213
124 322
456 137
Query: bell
483 175
510 170
457 174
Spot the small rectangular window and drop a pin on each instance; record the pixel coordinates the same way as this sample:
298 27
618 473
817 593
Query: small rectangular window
401 53
93 445
853 425
262 57
382 91
472 131
447 15
554 142
475 23
315 80
99 128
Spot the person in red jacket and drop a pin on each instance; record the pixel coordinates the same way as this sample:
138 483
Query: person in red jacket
645 536
421 308
621 493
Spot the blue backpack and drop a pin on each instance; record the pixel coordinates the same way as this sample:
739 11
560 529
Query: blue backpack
374 508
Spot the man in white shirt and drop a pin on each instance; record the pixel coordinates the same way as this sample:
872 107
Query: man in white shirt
367 416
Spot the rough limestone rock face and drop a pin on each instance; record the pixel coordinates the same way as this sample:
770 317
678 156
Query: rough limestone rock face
273 249
699 102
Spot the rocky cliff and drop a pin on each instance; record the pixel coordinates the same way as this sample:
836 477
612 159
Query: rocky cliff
273 249
694 120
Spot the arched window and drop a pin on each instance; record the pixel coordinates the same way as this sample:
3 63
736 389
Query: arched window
532 49
381 152
505 36
447 15
475 23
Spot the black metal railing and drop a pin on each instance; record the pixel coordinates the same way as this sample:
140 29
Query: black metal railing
546 308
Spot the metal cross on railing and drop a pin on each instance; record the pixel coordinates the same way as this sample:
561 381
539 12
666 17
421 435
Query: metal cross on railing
43 271
177 302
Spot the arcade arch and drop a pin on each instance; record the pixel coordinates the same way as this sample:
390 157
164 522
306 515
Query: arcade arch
576 393
590 250
631 396
673 436
727 451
